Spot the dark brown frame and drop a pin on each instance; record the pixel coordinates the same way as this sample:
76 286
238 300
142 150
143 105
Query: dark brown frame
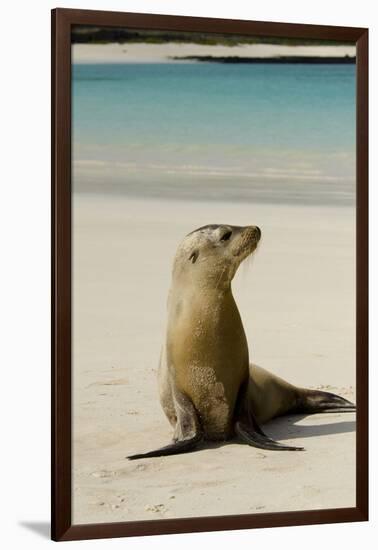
62 529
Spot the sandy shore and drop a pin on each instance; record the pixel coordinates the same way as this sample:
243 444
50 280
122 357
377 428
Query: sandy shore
296 299
160 53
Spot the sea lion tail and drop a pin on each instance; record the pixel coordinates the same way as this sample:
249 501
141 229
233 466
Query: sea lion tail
174 448
317 401
260 440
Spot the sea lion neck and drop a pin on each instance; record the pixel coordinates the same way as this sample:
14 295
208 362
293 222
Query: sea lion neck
204 292
202 284
197 299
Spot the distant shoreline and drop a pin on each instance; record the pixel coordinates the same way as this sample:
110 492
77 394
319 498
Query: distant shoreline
270 60
194 53
106 35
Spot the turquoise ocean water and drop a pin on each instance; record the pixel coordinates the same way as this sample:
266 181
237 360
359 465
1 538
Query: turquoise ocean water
280 133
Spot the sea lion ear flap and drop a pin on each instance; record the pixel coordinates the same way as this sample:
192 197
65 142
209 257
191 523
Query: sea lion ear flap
193 257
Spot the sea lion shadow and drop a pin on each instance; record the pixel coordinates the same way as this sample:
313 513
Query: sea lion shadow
287 427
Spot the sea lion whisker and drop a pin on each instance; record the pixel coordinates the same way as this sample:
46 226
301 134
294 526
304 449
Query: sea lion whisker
220 276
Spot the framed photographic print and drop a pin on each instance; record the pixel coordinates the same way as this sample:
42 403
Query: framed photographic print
209 269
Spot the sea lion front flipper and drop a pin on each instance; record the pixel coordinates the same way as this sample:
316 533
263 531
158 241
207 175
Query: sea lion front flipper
257 438
248 428
187 431
174 448
317 401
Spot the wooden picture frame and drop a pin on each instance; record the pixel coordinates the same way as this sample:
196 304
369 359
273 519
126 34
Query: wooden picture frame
62 21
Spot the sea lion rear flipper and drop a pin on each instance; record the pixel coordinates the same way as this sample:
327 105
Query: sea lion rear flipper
187 431
317 401
257 438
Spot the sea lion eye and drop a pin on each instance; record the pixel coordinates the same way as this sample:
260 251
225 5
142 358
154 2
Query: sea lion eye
226 236
193 257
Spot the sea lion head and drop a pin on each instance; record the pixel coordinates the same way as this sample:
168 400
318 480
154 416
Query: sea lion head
210 255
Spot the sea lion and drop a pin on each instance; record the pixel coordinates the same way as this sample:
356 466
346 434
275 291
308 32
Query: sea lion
208 388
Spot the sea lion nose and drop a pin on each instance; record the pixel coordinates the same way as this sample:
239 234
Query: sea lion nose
257 232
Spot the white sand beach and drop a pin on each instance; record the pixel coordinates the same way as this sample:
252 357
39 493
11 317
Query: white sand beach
296 298
163 53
